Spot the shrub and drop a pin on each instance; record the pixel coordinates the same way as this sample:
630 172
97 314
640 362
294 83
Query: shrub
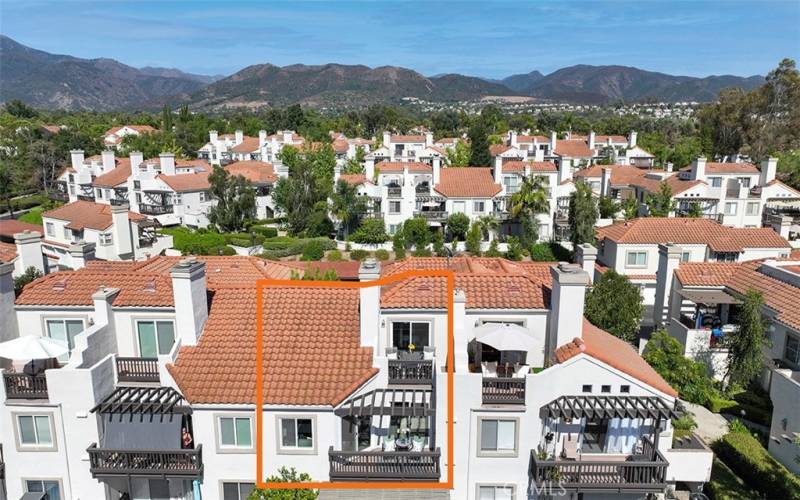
458 225
541 252
382 254
200 242
266 232
285 246
399 245
493 251
725 485
438 245
416 232
371 231
422 252
313 251
688 377
334 256
474 240
514 249
750 460
684 425
359 254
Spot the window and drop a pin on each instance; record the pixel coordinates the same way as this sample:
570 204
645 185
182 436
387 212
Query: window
479 207
236 491
50 229
177 199
495 493
511 182
752 208
105 239
730 208
202 196
392 229
605 389
67 233
99 193
744 182
792 350
155 337
410 332
394 207
715 181
52 488
459 207
636 259
235 432
138 197
586 388
498 436
34 431
685 256
625 389
297 433
64 331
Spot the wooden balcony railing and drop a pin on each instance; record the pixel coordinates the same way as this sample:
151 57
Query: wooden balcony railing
631 474
509 391
410 372
106 462
395 192
155 209
137 369
431 214
23 386
86 197
384 465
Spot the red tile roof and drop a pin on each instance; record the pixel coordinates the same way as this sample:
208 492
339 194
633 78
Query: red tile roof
248 145
257 172
535 166
573 148
340 145
10 227
407 138
119 175
682 230
778 295
529 138
728 168
705 273
8 251
182 183
138 128
615 352
398 166
496 149
354 179
467 182
85 214
598 139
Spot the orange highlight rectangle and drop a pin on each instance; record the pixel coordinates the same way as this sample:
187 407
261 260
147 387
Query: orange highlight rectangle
365 485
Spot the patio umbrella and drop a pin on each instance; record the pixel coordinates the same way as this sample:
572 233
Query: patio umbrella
32 347
506 337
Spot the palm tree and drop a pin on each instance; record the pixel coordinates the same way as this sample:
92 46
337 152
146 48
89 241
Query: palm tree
531 199
488 225
347 206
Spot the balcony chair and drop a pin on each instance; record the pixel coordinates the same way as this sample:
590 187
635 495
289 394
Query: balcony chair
569 450
489 368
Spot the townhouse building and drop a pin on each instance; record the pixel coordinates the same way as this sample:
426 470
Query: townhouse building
222 149
112 138
347 148
21 245
263 177
355 385
409 148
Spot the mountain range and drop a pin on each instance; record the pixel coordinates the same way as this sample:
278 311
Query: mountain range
64 82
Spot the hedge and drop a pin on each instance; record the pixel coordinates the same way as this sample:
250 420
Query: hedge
359 254
285 246
725 485
198 242
382 254
752 462
244 239
753 413
265 231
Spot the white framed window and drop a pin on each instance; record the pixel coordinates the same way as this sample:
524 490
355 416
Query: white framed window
459 207
479 207
753 208
392 229
155 337
586 389
50 229
177 199
497 436
511 182
138 197
236 490
50 486
105 239
411 332
791 351
492 492
731 207
99 193
34 431
67 233
297 434
636 258
64 331
715 181
394 207
235 432
685 256
203 195
744 182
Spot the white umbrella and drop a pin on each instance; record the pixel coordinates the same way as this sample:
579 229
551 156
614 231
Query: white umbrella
506 337
32 347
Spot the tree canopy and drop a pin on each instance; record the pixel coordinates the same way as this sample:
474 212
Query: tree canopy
235 200
615 305
582 214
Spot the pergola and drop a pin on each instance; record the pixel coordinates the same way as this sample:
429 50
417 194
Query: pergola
143 400
609 407
389 402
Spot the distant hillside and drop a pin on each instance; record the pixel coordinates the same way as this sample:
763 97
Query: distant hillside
176 73
522 83
65 82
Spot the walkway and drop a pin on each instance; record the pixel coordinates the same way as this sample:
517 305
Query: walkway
710 426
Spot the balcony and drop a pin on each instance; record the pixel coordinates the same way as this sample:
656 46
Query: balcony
137 369
395 192
109 463
23 386
155 209
384 465
410 372
58 191
431 215
503 391
86 197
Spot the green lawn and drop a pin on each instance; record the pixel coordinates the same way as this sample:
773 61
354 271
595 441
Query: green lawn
33 217
726 485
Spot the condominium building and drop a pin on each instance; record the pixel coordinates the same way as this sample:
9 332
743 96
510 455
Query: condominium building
156 397
222 149
112 138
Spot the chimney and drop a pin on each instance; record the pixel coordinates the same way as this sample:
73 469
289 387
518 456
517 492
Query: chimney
136 158
437 170
213 137
80 253
337 172
553 142
566 304
769 167
428 139
387 139
167 163
29 250
669 258
102 299
76 155
699 169
191 302
262 138
8 317
632 139
564 169
512 138
288 136
670 166
370 302
605 181
369 168
498 170
591 139
121 231
109 161
586 256
239 136
460 338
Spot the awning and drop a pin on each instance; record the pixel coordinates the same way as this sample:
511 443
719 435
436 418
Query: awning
709 297
143 400
141 432
608 407
391 402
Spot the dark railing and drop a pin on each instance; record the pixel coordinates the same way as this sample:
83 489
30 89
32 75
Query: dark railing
431 214
384 465
395 192
422 189
504 390
137 369
106 462
86 197
410 372
155 209
58 195
632 474
23 386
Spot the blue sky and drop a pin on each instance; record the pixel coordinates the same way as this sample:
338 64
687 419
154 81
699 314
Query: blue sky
491 39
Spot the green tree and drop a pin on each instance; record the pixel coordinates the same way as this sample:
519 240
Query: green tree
303 194
458 225
29 275
371 231
473 243
493 251
285 475
417 233
166 119
438 244
582 214
6 185
459 155
479 145
530 200
745 344
399 244
514 251
347 206
660 204
488 224
236 200
789 167
19 109
630 208
694 210
615 305
608 207
690 378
